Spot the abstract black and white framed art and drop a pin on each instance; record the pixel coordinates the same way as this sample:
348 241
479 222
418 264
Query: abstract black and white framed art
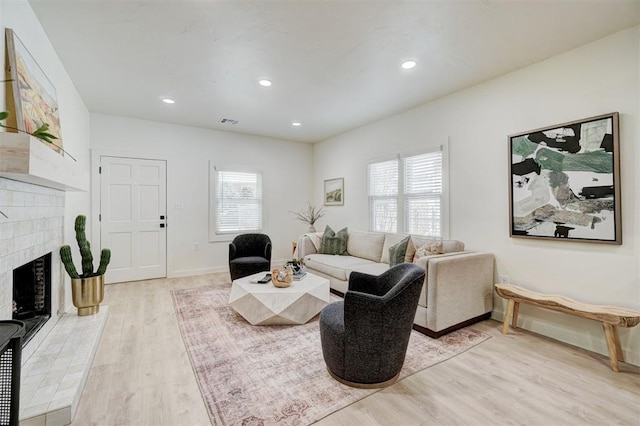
565 181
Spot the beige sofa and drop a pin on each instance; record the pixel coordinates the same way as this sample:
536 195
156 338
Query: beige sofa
458 286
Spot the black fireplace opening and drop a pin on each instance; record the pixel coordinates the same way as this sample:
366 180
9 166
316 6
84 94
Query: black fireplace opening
32 295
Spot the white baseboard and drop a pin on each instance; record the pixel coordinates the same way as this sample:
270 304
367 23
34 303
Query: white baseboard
213 270
194 272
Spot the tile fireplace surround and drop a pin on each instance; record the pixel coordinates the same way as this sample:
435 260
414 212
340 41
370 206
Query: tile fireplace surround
56 360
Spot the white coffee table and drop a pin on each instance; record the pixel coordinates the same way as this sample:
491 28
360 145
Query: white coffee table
265 304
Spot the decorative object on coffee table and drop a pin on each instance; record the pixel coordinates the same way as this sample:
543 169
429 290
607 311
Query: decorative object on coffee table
282 278
297 265
87 290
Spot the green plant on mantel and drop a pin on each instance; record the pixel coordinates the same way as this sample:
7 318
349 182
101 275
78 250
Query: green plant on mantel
41 133
85 252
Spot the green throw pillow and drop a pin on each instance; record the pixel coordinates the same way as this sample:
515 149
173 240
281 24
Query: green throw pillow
397 252
333 243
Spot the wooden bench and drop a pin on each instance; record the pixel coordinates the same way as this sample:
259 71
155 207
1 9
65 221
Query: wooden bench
611 317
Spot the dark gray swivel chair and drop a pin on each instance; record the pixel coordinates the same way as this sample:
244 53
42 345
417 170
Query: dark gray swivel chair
249 254
364 338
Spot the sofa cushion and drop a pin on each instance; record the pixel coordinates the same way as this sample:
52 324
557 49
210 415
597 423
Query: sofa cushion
335 266
390 240
333 243
398 251
428 249
372 268
367 245
448 246
411 251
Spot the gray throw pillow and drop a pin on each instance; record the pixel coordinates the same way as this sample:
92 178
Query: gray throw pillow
397 252
333 243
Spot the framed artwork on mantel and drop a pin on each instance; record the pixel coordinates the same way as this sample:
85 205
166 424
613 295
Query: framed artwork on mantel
565 182
35 99
334 192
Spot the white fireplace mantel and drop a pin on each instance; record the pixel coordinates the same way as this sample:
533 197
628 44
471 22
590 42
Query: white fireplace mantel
27 159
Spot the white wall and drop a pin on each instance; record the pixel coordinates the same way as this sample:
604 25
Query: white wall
597 78
285 165
74 116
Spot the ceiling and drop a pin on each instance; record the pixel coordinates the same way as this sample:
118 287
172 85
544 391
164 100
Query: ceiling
335 65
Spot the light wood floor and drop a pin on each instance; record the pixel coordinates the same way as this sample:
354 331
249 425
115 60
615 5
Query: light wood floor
142 376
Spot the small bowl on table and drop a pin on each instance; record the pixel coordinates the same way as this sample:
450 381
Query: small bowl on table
282 281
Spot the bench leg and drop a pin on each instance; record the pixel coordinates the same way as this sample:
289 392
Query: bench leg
507 315
616 338
514 321
613 344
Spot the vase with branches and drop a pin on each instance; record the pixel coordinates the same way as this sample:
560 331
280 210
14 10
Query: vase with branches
309 215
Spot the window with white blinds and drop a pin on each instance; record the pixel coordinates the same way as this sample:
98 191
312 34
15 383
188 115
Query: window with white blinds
383 196
238 202
423 194
406 194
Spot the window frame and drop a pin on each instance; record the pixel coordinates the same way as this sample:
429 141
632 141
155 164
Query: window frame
401 197
214 233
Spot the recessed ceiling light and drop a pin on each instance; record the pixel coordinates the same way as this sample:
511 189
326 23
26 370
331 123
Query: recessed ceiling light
296 123
168 101
407 65
264 82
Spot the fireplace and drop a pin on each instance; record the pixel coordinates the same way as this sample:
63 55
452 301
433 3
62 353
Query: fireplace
32 294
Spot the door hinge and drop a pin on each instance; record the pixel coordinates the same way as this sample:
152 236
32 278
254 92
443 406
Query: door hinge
100 217
100 170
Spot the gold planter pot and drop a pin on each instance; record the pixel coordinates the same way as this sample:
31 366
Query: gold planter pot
87 294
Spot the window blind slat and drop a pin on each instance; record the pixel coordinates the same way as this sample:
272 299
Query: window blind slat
383 178
239 202
383 196
423 173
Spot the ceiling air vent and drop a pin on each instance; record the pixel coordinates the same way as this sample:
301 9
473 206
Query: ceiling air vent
228 121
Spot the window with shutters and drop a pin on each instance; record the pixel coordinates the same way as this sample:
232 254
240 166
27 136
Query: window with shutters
236 202
407 194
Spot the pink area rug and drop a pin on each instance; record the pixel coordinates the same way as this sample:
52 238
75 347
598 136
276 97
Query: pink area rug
275 375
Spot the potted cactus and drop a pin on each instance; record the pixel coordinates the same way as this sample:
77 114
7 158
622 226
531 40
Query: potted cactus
87 289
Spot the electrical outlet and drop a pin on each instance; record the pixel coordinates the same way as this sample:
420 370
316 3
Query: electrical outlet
504 279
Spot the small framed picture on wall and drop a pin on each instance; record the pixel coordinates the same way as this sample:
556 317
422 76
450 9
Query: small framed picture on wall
334 192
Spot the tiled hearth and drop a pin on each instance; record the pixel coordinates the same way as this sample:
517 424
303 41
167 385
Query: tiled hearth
56 361
54 376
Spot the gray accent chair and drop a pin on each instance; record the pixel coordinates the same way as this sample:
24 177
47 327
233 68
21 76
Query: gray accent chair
249 254
364 337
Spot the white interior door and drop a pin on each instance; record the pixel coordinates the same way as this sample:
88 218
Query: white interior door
133 212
